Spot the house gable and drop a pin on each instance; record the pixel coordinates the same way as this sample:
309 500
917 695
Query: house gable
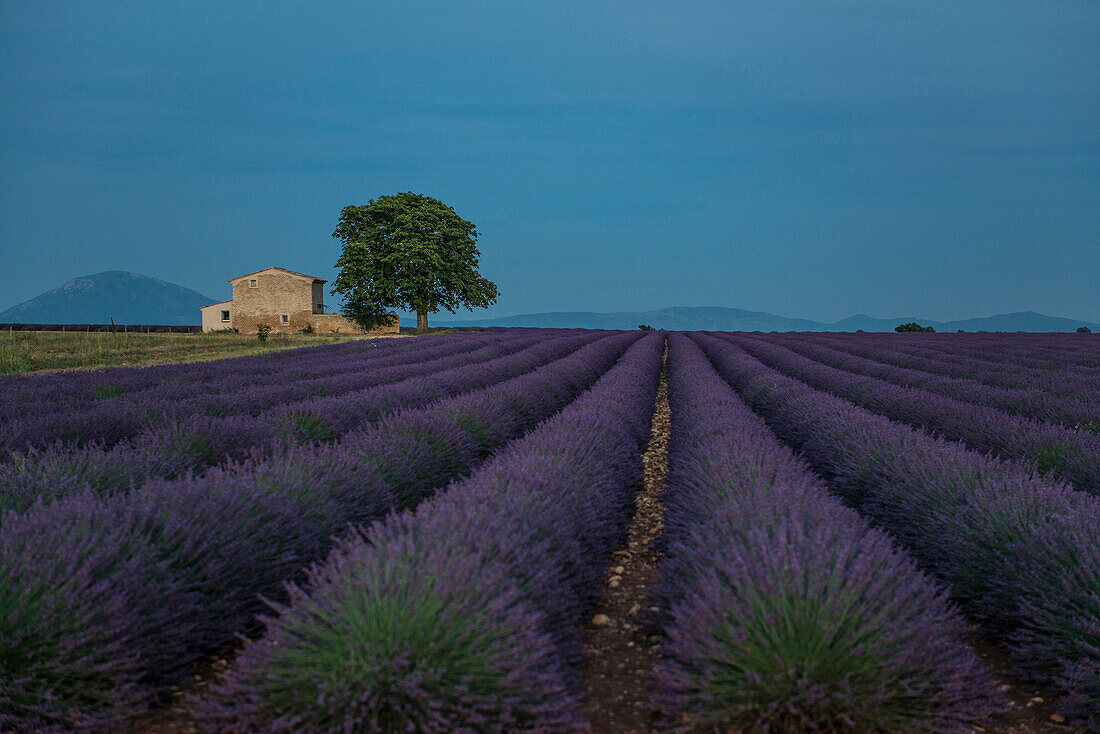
273 270
277 297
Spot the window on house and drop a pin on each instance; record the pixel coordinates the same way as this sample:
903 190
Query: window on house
286 319
252 283
225 316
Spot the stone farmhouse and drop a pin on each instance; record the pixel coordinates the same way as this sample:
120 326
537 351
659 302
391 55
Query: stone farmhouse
287 301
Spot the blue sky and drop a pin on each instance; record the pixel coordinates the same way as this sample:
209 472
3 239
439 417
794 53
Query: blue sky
809 159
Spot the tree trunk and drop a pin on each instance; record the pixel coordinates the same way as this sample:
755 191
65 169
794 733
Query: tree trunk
421 322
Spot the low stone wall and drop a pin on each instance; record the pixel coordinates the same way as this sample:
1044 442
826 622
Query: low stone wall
334 323
321 323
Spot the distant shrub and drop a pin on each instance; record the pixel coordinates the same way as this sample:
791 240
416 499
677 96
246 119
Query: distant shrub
308 329
1084 330
913 326
262 332
645 327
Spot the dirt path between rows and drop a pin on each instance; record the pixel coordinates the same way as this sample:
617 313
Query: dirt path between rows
619 657
1033 709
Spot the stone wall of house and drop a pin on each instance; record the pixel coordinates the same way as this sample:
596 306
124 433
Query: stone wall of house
275 295
334 323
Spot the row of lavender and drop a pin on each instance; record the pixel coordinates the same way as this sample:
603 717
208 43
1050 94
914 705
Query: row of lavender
1010 371
498 628
462 615
110 601
1046 447
785 611
122 412
197 443
1046 351
24 395
1042 351
1018 550
1034 403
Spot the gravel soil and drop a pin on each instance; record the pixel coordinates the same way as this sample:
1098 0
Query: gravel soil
619 656
174 718
1033 709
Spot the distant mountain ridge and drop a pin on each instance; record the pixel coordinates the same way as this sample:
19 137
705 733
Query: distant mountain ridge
131 298
715 318
128 298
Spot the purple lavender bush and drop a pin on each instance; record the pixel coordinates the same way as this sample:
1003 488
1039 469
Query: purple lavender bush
1018 550
785 611
109 601
25 395
1072 456
125 414
462 615
199 442
1037 404
76 600
1059 379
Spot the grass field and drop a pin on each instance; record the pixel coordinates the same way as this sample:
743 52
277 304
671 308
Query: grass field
23 352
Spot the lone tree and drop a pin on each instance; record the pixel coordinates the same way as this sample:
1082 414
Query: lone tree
409 252
913 326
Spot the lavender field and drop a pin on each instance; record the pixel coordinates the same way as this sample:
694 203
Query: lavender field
854 532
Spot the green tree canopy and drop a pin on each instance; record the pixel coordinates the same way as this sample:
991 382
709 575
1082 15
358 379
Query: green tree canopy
913 326
409 252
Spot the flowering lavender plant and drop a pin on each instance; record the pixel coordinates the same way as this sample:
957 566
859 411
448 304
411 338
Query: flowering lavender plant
1073 456
109 601
461 616
195 443
1020 551
784 610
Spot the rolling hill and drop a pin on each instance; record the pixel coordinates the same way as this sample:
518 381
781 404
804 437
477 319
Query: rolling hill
128 298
